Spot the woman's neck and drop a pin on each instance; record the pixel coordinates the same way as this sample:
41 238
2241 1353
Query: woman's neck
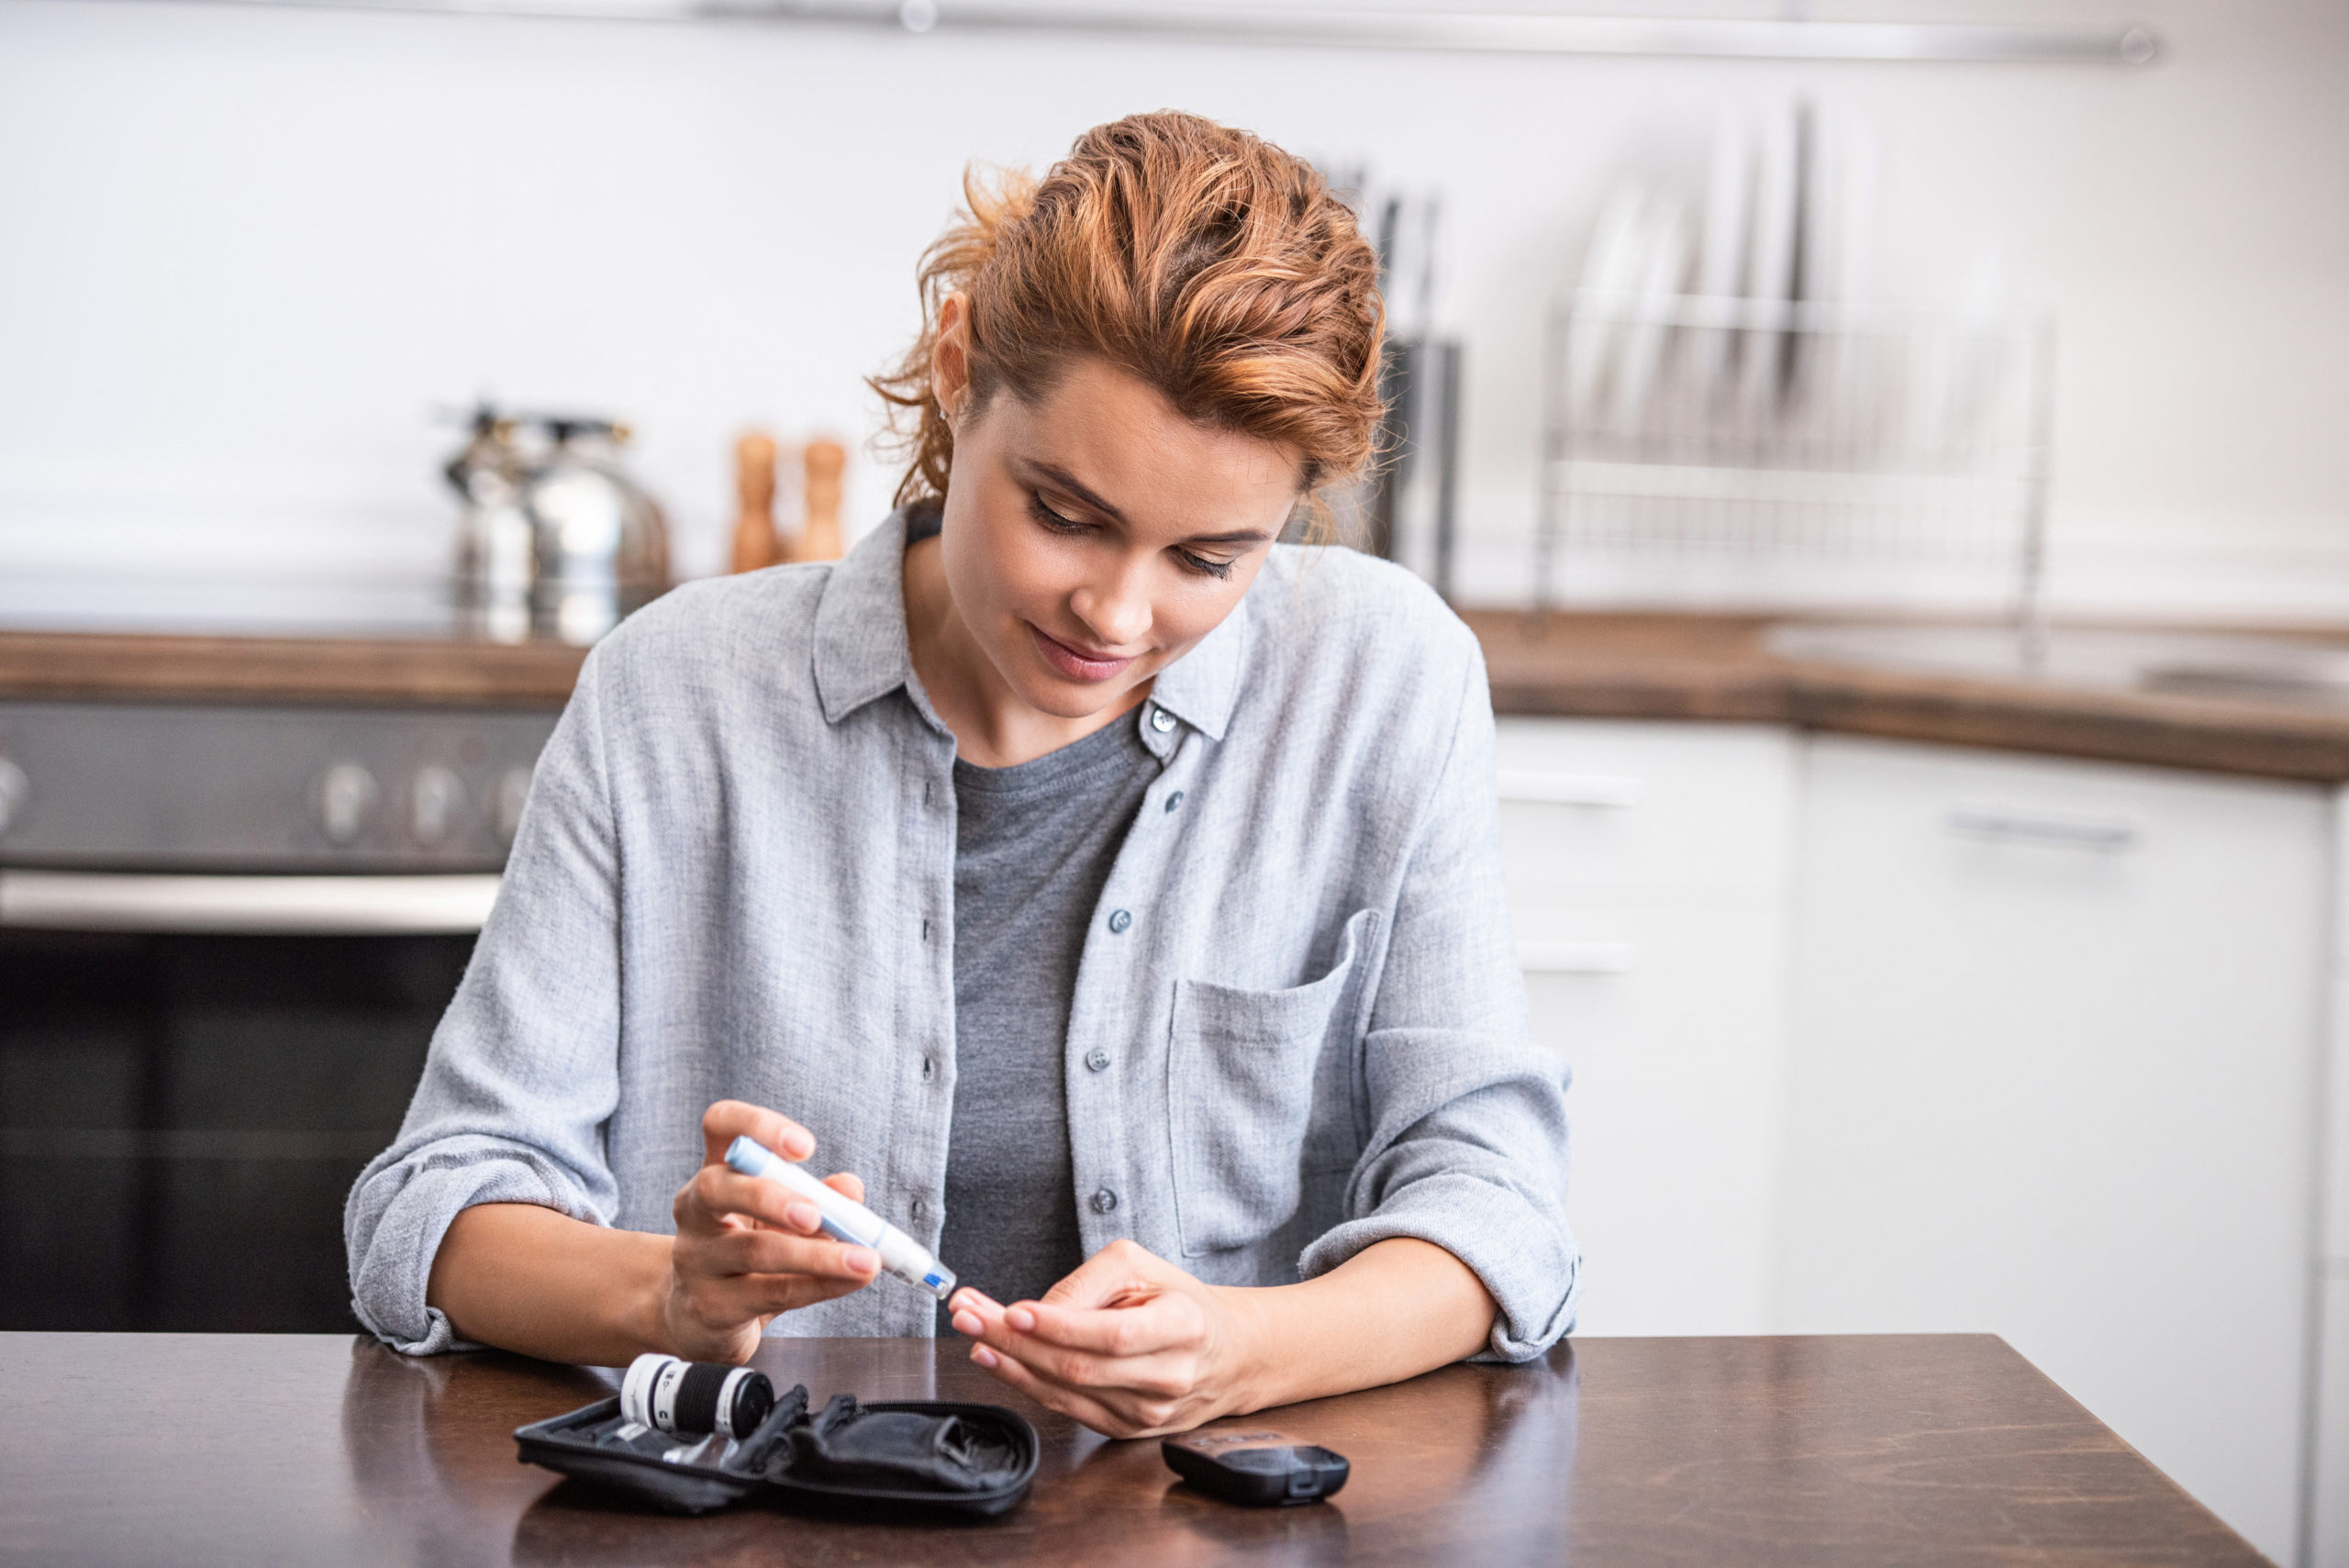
994 727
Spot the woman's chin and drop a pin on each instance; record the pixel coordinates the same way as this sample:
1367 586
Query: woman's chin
1065 698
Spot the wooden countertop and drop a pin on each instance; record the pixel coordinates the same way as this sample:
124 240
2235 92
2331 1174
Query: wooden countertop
191 1450
1719 668
1697 667
430 672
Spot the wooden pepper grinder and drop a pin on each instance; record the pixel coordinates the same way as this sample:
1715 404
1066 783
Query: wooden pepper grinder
755 544
822 461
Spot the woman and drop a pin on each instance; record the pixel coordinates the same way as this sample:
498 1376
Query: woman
1110 894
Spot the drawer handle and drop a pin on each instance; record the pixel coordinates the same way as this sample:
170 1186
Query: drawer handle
1569 789
2114 834
1576 958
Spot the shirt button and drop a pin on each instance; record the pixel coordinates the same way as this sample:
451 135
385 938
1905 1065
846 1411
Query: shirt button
929 1066
1161 720
1097 1059
920 1208
1104 1201
1118 921
1175 800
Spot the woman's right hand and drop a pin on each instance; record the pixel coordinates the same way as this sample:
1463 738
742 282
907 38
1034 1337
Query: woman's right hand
747 1249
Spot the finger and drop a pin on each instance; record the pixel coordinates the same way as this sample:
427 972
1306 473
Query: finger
974 1312
848 1187
1162 1323
717 1191
1155 1374
746 1251
1052 1396
729 1119
1144 1370
1112 1275
738 1298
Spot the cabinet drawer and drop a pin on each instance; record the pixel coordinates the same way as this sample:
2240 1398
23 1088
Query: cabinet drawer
1642 809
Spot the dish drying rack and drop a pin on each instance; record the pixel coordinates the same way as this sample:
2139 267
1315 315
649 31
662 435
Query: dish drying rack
1786 451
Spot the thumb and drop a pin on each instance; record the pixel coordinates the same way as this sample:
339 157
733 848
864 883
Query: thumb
1114 1276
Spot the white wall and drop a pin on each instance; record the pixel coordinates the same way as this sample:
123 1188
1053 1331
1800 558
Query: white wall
245 252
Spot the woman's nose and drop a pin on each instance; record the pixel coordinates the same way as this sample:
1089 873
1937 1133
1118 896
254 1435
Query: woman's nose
1115 611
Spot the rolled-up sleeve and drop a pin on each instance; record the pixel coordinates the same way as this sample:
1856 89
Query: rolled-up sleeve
523 1071
1467 1140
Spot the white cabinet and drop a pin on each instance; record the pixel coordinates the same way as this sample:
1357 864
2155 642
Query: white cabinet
2328 1484
1648 869
1871 1037
2054 1048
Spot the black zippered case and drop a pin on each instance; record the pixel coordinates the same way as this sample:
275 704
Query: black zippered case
897 1458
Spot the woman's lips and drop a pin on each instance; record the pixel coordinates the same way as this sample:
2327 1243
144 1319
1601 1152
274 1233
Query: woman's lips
1076 664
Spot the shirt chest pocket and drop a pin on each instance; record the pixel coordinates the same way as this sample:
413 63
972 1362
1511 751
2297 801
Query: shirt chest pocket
1262 1089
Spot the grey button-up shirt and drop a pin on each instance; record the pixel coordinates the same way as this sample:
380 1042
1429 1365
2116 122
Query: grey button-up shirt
1298 1026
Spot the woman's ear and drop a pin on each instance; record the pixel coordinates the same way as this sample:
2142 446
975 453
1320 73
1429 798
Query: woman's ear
949 356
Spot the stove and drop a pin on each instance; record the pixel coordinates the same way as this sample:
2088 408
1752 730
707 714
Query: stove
228 926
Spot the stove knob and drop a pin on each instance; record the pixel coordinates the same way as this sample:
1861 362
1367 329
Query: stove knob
506 811
346 800
15 790
434 801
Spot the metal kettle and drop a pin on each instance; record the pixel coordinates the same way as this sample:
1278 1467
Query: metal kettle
497 551
601 542
555 540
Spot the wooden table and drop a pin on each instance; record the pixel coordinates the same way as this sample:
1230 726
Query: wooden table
1895 1450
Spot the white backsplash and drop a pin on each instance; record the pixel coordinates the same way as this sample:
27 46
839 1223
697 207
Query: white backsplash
250 251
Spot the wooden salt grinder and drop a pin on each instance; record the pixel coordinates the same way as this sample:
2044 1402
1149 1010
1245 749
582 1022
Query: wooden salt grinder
755 544
822 460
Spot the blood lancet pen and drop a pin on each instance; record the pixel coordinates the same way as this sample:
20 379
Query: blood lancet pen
845 1220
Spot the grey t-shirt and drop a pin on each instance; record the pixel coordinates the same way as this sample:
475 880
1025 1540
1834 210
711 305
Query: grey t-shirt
1033 847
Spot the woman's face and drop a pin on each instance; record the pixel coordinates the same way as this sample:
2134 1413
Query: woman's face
1093 540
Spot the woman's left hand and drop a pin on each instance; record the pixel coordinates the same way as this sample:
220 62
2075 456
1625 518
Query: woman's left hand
1129 1344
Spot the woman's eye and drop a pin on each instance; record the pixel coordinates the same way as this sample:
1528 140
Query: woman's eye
1050 518
1208 565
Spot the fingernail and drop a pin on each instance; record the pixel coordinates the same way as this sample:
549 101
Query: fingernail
861 1259
805 1216
799 1146
968 1323
983 1356
1020 1318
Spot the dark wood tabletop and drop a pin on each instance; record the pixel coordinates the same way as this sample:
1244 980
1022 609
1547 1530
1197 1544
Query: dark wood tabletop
192 1450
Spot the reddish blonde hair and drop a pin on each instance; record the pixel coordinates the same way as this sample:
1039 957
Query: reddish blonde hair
1205 261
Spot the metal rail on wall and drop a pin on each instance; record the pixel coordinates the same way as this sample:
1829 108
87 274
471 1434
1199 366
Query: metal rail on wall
1490 32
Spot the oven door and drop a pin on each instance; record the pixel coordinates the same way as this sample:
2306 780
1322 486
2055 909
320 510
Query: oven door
192 1070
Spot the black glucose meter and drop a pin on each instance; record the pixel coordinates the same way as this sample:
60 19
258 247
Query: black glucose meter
1265 1469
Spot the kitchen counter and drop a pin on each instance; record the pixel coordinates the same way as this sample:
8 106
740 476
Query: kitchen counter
390 672
1699 667
1723 668
195 1449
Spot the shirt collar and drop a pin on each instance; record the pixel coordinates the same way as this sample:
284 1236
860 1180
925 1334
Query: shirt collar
1201 687
861 650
